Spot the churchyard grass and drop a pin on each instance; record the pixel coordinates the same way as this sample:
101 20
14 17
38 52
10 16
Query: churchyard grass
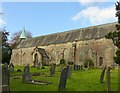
81 80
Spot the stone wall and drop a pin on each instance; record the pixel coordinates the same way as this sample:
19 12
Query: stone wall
96 50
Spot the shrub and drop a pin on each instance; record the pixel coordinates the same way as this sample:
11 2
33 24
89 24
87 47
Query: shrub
91 64
42 67
62 61
70 63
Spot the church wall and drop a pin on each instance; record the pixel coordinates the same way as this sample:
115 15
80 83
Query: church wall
94 49
58 51
89 49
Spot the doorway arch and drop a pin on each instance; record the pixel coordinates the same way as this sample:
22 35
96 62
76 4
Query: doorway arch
35 59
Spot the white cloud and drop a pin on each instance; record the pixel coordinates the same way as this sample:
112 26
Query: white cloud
96 15
89 2
2 22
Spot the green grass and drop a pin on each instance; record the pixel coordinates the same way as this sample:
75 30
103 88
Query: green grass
87 80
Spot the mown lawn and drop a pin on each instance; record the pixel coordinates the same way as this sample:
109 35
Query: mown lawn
87 80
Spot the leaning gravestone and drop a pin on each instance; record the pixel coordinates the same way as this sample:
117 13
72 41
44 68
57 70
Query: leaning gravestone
5 78
69 71
52 70
11 67
63 79
38 65
102 75
108 79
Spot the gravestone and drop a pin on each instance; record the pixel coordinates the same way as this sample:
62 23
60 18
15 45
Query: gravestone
26 69
75 67
52 70
79 67
5 78
69 71
108 79
63 79
82 67
6 65
102 75
27 76
38 65
11 67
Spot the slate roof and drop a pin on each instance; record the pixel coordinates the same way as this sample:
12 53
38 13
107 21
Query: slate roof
93 32
43 52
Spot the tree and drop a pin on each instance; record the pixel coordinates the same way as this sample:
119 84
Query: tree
115 36
15 38
6 49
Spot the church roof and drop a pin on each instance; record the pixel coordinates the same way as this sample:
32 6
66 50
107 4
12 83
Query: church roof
93 32
43 52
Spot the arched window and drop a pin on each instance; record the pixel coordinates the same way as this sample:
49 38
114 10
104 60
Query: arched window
66 54
90 53
100 61
81 54
52 54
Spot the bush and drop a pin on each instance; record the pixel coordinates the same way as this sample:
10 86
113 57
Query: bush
62 61
70 63
42 67
91 64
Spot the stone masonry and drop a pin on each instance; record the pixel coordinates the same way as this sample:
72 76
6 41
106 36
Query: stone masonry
74 46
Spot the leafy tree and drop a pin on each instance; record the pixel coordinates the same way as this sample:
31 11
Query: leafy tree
6 49
15 38
115 36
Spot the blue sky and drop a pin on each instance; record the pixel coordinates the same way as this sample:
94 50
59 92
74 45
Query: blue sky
42 18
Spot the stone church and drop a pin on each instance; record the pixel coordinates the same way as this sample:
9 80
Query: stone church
75 46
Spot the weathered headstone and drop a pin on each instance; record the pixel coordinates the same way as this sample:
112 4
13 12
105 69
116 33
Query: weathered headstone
82 67
27 76
52 70
69 71
102 75
11 67
26 69
75 67
63 79
79 67
6 65
108 79
38 65
5 78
